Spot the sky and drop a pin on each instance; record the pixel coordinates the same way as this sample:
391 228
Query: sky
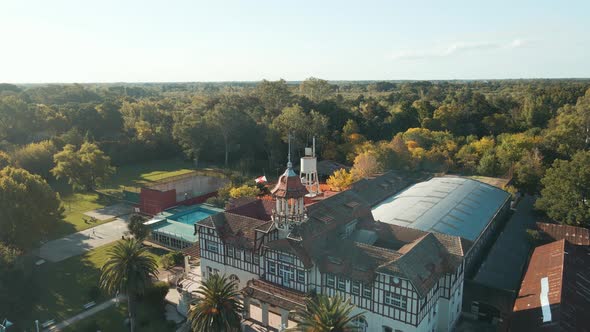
186 41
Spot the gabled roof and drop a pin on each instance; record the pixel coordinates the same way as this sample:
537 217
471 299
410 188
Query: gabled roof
425 260
419 256
293 247
234 229
566 268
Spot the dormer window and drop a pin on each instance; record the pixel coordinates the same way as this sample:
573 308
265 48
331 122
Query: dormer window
349 229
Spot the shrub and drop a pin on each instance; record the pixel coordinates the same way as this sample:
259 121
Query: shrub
167 261
340 180
171 259
244 191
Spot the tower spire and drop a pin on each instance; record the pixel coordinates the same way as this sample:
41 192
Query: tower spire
289 164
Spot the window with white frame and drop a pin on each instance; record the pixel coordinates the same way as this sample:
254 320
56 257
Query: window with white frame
286 272
330 280
238 254
367 291
212 246
396 300
272 268
356 288
230 251
248 256
341 284
256 259
300 276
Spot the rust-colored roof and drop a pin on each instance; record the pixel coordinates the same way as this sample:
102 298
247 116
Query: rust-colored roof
572 234
546 261
275 295
289 186
258 209
567 268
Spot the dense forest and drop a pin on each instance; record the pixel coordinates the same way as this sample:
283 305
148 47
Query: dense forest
535 132
506 128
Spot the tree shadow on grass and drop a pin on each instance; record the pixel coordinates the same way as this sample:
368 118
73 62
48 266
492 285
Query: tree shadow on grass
64 287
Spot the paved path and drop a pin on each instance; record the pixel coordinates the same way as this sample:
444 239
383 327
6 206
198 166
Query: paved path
83 241
110 211
84 314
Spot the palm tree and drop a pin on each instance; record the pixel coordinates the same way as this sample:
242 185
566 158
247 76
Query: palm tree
128 270
326 314
218 308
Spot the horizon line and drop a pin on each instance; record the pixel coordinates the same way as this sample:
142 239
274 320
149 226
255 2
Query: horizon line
298 81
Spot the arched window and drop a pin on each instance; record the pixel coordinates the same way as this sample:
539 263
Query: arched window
236 281
361 324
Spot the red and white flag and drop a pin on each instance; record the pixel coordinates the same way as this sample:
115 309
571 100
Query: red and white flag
261 179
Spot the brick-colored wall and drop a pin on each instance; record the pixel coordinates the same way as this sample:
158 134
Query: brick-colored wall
154 201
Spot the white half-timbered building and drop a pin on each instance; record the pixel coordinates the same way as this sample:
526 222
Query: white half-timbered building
279 251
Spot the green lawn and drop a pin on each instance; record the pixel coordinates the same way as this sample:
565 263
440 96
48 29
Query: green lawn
137 175
76 203
112 320
67 285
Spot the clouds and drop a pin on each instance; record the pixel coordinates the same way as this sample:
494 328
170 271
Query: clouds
458 48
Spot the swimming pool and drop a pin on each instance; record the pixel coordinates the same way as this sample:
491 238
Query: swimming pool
194 215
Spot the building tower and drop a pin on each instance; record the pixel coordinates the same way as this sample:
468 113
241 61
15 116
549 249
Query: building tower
309 171
288 194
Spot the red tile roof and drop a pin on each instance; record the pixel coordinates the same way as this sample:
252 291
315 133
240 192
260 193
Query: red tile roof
572 234
289 186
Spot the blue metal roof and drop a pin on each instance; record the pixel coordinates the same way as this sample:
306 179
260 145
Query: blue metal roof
450 205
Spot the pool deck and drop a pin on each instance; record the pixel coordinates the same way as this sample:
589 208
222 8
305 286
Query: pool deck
169 222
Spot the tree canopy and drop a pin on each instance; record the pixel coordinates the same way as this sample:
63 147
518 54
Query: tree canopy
565 196
84 168
30 208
